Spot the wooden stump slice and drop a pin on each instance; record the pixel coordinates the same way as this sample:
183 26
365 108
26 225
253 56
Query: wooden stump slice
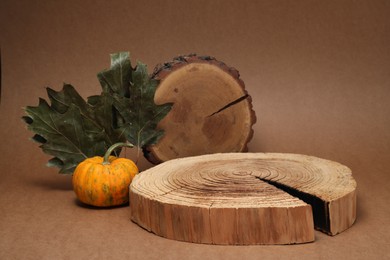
244 198
211 113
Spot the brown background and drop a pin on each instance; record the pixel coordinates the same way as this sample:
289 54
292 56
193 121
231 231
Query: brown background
318 73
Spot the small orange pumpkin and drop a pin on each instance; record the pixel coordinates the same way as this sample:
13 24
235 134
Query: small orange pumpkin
104 181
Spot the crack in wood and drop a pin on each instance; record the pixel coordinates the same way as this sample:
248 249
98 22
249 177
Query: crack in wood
210 226
319 207
238 100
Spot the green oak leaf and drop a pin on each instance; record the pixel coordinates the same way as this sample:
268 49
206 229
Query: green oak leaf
139 112
133 90
61 100
117 78
70 129
106 116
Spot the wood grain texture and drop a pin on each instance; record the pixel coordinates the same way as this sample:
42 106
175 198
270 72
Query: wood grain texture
212 112
244 198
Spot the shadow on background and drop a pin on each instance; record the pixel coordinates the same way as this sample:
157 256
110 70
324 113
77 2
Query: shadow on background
83 205
57 182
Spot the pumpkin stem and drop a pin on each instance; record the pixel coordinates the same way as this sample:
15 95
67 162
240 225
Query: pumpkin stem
112 148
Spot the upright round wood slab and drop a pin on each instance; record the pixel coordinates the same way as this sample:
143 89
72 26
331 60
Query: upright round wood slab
212 112
244 198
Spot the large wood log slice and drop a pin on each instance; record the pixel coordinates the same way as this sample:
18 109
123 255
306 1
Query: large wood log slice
244 198
211 113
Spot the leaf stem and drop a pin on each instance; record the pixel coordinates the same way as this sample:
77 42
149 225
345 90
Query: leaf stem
138 155
112 148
